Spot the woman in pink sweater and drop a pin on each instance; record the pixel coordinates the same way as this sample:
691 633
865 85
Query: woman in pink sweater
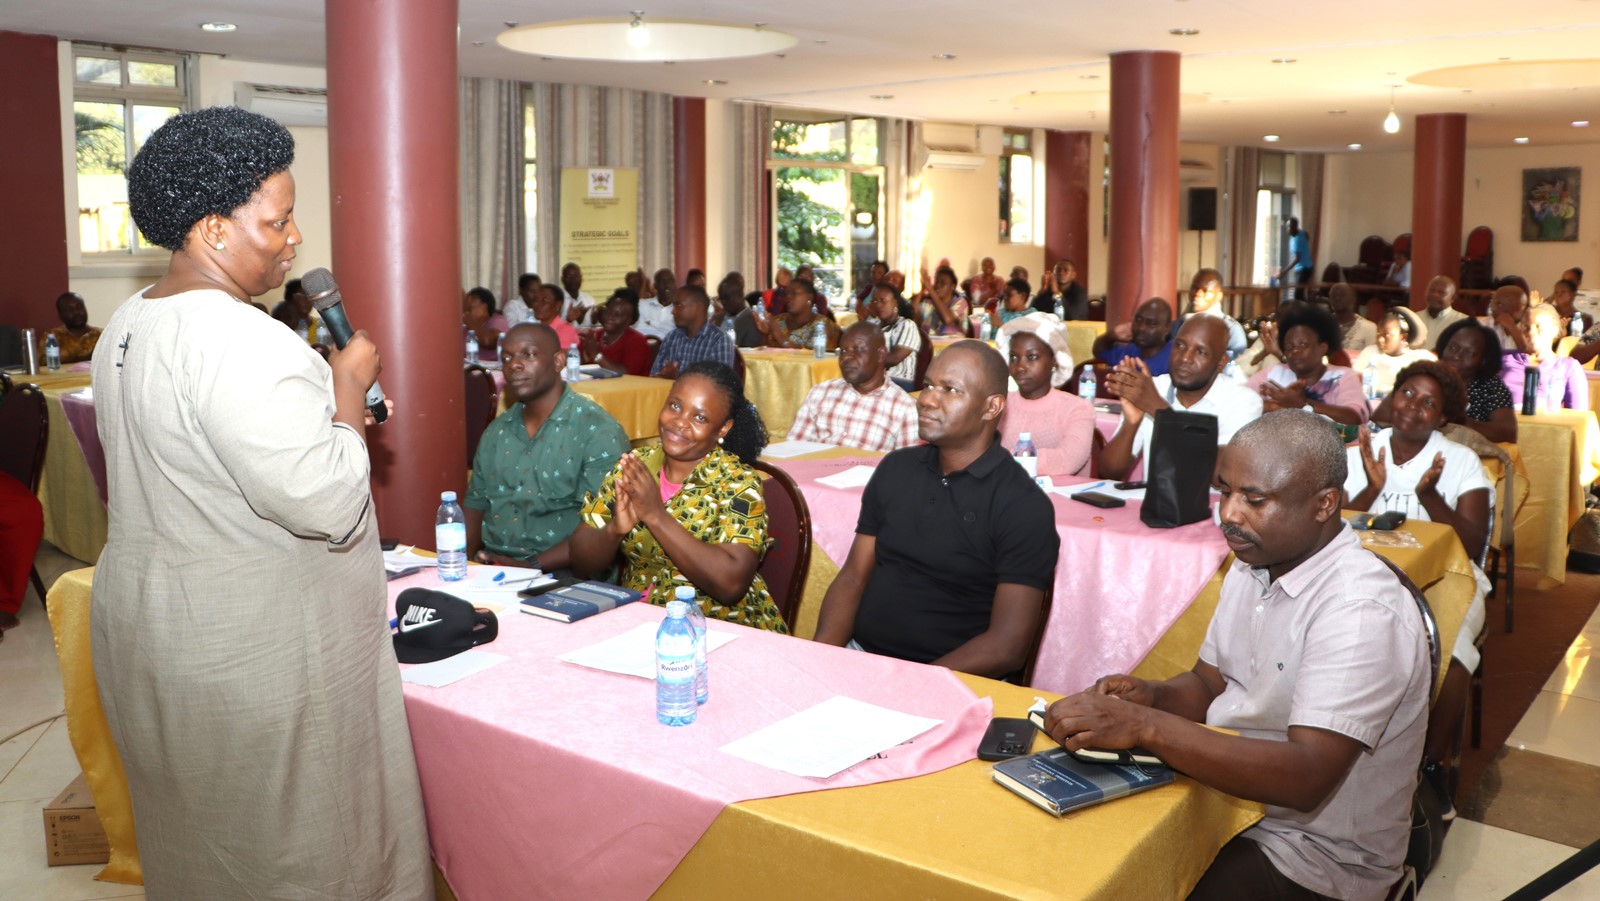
1061 424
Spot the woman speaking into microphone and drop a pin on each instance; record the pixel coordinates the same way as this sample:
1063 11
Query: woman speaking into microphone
239 605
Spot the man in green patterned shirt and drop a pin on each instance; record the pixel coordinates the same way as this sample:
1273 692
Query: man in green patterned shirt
538 460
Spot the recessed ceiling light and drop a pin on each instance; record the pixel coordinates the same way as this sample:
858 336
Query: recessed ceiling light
1087 77
1353 146
1285 60
715 81
1270 139
1337 112
1183 32
944 56
1519 140
1503 58
218 26
882 96
1580 123
477 43
819 41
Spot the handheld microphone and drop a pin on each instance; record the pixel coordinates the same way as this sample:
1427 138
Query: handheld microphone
324 294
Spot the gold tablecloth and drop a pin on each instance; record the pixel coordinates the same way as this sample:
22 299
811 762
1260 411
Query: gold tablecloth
776 381
950 834
1561 451
74 518
1440 568
634 400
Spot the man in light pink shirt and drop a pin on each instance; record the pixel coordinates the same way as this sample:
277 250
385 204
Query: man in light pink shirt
1316 656
547 309
864 409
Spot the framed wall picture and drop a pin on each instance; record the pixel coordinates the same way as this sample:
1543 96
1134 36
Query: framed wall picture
1550 203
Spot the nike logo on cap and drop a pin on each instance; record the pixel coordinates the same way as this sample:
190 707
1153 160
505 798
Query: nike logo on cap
419 618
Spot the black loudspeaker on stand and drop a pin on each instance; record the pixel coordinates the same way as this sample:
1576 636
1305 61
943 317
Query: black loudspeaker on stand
1202 216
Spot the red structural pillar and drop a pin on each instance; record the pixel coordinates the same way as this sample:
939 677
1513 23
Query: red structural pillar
1142 261
688 184
33 240
392 131
1439 165
1066 200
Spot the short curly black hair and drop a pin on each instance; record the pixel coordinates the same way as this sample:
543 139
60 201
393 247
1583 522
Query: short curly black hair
210 161
1313 317
1492 360
748 437
1451 389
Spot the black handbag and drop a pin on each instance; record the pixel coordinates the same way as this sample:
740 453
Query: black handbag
1178 465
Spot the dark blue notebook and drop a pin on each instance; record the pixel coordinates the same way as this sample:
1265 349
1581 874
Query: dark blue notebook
1058 783
580 601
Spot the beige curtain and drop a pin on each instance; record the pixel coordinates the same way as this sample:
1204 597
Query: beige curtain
1241 175
751 224
579 125
492 224
1308 191
903 157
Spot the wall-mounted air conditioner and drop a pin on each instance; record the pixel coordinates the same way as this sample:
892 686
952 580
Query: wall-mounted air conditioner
959 162
288 104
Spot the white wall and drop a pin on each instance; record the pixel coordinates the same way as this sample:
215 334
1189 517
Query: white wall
106 284
1370 194
964 219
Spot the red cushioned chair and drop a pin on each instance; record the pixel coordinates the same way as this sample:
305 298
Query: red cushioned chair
483 403
789 529
919 377
25 421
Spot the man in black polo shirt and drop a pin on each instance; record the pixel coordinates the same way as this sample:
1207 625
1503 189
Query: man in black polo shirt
955 545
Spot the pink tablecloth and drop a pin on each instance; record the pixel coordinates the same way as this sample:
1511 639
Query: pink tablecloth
79 411
548 780
1106 424
1119 584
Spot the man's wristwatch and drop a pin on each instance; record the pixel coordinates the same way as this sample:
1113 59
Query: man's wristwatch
532 560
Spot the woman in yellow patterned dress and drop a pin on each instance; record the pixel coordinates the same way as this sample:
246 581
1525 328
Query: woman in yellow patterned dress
690 510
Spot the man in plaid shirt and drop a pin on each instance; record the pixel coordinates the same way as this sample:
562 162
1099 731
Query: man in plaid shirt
694 339
864 409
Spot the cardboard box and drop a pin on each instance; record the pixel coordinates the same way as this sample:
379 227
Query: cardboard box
72 830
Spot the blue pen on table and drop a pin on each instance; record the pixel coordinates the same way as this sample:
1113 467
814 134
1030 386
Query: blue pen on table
1089 487
394 624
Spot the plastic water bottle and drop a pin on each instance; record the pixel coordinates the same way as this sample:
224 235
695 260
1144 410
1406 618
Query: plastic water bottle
733 336
304 331
1027 455
1087 384
573 361
472 347
1231 370
450 538
52 352
1061 308
1369 382
819 343
697 619
1575 329
675 667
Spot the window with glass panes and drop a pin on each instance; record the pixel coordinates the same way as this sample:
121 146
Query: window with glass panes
119 97
1016 187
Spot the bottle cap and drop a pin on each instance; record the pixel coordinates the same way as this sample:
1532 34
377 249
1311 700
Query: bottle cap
1025 436
677 608
684 593
447 496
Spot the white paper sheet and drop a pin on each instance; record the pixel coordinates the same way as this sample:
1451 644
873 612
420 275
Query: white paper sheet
784 450
633 653
404 557
450 669
854 477
828 738
480 588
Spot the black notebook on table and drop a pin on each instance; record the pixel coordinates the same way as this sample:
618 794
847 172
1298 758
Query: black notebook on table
1058 783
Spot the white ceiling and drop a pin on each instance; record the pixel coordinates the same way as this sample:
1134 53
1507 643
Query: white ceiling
1347 55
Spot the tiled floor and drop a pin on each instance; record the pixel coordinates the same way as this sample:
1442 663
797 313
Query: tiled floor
1480 862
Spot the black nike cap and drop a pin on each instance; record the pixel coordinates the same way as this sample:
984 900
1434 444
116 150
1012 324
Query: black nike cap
433 625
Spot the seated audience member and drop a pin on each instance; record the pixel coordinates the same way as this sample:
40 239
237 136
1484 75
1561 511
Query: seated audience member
1014 300
747 326
729 302
1564 297
987 287
819 301
1302 337
1356 332
1331 742
1399 272
656 318
1194 384
1020 271
944 309
1439 314
863 295
520 308
75 336
576 304
775 298
1415 469
1060 424
538 460
547 309
1574 275
1205 299
955 546
863 408
1145 337
1471 349
479 317
1060 287
799 325
694 339
1508 308
1562 383
695 277
616 345
689 511
1401 341
298 313
900 335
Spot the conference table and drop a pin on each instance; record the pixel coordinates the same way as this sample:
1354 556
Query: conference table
74 512
777 380
1561 451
